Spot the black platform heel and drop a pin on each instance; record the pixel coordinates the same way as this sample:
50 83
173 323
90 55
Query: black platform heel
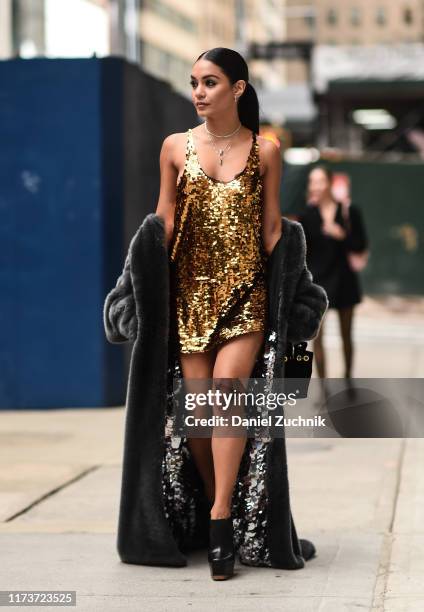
221 554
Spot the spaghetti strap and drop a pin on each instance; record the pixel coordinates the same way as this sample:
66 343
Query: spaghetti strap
186 157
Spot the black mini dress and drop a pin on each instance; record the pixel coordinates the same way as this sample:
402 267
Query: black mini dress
326 256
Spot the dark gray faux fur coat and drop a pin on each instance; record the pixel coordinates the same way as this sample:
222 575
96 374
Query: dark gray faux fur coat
163 512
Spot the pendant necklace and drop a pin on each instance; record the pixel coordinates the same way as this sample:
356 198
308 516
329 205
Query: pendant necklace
219 150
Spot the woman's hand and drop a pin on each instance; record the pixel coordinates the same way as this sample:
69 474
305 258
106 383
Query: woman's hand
330 228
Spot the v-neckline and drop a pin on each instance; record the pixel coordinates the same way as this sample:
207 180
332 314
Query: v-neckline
215 180
335 214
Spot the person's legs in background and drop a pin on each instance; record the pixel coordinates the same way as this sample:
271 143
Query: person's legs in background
318 349
345 321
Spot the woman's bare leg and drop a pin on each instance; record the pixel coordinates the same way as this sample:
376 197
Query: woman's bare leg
200 366
235 359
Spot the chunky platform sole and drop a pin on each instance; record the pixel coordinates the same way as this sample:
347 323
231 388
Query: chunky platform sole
222 569
221 554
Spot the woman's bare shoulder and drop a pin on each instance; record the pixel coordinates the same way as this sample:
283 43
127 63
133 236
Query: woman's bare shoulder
174 139
267 147
269 153
173 147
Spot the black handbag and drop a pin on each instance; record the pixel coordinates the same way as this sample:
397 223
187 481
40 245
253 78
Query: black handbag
298 364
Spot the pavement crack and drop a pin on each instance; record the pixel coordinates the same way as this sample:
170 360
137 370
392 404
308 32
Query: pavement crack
383 571
52 492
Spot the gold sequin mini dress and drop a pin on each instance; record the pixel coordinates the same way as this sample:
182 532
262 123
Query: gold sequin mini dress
218 263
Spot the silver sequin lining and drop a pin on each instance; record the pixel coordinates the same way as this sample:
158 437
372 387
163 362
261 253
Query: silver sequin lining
184 503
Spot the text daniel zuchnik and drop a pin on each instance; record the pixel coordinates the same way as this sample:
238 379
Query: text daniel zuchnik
277 420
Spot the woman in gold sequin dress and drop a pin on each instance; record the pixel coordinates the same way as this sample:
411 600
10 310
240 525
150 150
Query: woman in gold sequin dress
219 199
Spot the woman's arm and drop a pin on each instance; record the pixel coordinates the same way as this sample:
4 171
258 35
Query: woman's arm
271 216
168 179
357 238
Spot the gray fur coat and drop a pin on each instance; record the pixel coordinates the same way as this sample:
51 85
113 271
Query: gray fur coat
163 513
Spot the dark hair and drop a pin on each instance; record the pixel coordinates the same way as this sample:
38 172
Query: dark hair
235 67
327 171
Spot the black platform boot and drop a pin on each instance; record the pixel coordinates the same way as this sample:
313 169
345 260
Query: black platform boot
221 554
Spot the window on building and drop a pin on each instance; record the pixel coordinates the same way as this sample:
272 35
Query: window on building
310 21
381 16
355 16
156 60
332 16
408 16
269 32
239 19
171 14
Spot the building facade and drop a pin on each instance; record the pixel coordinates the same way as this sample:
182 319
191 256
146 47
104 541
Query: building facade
174 33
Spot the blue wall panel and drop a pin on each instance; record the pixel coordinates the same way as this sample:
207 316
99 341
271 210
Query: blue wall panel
60 231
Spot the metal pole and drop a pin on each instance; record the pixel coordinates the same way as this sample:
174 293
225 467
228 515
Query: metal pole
117 39
131 19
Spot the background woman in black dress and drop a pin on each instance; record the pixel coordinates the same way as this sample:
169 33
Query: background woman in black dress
333 229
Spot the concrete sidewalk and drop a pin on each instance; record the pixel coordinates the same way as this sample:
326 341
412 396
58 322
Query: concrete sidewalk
360 501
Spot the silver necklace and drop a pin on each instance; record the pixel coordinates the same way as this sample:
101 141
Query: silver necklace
221 135
219 150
